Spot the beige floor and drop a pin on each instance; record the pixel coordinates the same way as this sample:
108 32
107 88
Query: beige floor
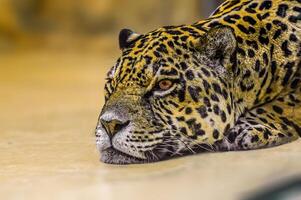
49 103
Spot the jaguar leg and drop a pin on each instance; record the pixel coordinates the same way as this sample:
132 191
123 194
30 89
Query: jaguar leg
266 126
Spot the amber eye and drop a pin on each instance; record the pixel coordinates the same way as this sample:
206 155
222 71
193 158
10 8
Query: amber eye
165 84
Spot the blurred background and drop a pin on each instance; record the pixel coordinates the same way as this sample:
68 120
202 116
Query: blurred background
74 23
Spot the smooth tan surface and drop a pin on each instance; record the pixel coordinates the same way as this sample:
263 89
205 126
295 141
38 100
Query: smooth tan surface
49 103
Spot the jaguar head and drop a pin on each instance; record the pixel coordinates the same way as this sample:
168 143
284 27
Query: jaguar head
168 95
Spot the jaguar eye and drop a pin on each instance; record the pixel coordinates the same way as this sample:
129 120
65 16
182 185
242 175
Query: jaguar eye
165 84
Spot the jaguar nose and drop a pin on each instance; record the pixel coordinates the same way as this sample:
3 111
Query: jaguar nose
113 125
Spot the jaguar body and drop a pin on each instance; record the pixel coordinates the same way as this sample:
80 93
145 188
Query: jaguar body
229 82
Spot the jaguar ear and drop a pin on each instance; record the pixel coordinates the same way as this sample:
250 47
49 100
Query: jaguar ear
126 38
218 44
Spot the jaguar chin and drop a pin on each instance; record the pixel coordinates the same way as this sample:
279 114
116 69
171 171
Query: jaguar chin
112 156
230 82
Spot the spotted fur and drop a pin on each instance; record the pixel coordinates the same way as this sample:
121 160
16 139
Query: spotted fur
235 85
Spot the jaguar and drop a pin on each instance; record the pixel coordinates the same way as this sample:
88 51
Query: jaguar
230 82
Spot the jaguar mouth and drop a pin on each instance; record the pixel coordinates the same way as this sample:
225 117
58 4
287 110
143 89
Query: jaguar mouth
113 156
